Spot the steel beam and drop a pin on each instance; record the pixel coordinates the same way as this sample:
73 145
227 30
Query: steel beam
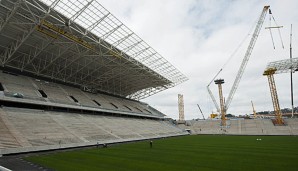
10 14
12 49
57 57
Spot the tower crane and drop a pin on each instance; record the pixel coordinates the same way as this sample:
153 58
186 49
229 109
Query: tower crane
244 62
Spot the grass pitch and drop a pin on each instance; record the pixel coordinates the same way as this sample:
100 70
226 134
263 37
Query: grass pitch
201 152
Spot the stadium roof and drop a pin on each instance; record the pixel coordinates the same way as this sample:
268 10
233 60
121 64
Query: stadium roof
284 66
81 43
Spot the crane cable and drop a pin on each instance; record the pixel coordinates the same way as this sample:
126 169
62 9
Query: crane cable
270 29
276 26
282 43
232 55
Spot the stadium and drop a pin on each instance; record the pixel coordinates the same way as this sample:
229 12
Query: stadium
73 77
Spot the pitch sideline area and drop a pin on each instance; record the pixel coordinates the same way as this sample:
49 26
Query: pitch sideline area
197 152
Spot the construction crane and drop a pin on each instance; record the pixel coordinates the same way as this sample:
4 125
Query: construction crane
244 61
282 66
219 82
201 111
269 73
253 109
211 95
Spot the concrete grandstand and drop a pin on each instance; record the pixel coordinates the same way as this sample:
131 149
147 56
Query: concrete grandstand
73 75
242 127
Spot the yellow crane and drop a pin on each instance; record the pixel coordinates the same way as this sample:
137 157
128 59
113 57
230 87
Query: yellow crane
253 109
269 73
278 67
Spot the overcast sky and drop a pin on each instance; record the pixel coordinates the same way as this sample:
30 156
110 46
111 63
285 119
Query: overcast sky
198 37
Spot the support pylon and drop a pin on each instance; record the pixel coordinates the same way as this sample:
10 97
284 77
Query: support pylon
181 107
278 115
219 82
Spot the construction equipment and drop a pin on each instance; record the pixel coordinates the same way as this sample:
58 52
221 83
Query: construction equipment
181 107
213 115
274 27
291 75
269 73
213 98
246 56
201 112
253 109
244 62
219 82
282 66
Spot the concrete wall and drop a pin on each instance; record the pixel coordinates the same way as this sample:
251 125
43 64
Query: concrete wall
244 127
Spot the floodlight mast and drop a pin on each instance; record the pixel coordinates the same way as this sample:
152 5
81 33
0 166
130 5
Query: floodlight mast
246 57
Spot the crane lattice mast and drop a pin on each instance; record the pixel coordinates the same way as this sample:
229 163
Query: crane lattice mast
278 115
246 56
253 109
277 67
201 111
219 82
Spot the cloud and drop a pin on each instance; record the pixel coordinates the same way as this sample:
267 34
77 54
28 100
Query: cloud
198 37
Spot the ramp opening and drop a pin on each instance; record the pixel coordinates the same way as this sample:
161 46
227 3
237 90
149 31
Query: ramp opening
43 94
74 99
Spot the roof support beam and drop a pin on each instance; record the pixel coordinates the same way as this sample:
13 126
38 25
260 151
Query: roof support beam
122 39
111 32
128 48
11 50
10 14
90 28
37 53
140 52
17 44
78 57
57 57
77 14
53 5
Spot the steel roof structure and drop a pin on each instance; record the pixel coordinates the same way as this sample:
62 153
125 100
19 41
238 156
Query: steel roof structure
81 43
284 66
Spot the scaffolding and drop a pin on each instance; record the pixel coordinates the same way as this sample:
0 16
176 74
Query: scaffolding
181 107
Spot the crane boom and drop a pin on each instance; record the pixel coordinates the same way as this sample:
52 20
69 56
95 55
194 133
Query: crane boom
213 98
253 109
246 56
201 112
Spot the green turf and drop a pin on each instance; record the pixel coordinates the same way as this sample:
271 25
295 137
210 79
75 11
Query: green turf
202 152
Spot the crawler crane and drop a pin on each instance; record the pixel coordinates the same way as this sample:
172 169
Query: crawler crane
242 66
